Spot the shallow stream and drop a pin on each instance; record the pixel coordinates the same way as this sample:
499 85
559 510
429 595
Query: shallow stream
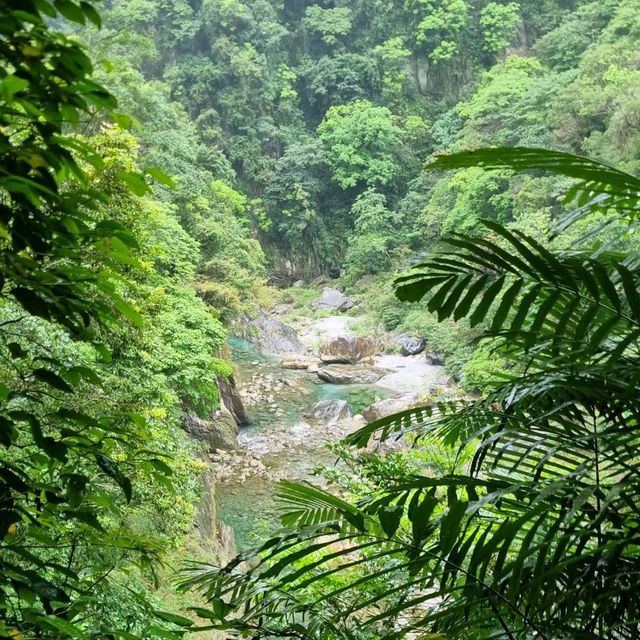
286 443
290 446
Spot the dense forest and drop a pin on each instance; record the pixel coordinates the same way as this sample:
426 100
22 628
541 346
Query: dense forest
315 122
175 171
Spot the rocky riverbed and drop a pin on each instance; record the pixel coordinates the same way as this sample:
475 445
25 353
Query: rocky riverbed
294 412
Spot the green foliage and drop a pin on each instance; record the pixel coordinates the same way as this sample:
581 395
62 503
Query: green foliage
100 351
498 22
228 263
363 143
562 48
236 91
332 24
393 56
292 200
439 26
376 233
232 264
509 106
114 287
459 203
61 260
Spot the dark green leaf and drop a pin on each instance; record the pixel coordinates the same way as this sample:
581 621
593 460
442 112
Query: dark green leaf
112 470
52 379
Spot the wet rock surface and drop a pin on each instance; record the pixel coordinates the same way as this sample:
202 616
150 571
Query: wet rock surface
236 465
329 411
295 413
269 336
299 362
272 391
350 374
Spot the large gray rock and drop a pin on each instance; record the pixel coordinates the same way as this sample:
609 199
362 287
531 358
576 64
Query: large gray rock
218 431
329 411
347 350
270 336
410 345
299 362
389 406
332 300
345 374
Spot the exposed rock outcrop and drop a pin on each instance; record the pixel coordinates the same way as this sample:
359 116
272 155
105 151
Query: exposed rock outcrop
410 345
214 537
347 350
389 406
218 431
318 282
329 411
239 465
230 397
346 374
332 300
270 336
268 388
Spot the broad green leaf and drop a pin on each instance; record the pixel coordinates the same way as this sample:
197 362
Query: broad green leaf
160 176
390 517
70 10
135 181
10 85
181 621
127 310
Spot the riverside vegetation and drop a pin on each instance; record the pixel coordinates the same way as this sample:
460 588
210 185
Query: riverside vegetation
170 169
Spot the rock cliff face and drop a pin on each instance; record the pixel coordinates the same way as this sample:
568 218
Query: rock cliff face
215 538
218 431
269 336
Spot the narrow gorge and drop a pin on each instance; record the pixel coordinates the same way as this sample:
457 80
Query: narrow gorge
296 389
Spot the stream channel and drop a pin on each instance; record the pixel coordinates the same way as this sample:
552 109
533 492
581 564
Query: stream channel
284 442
